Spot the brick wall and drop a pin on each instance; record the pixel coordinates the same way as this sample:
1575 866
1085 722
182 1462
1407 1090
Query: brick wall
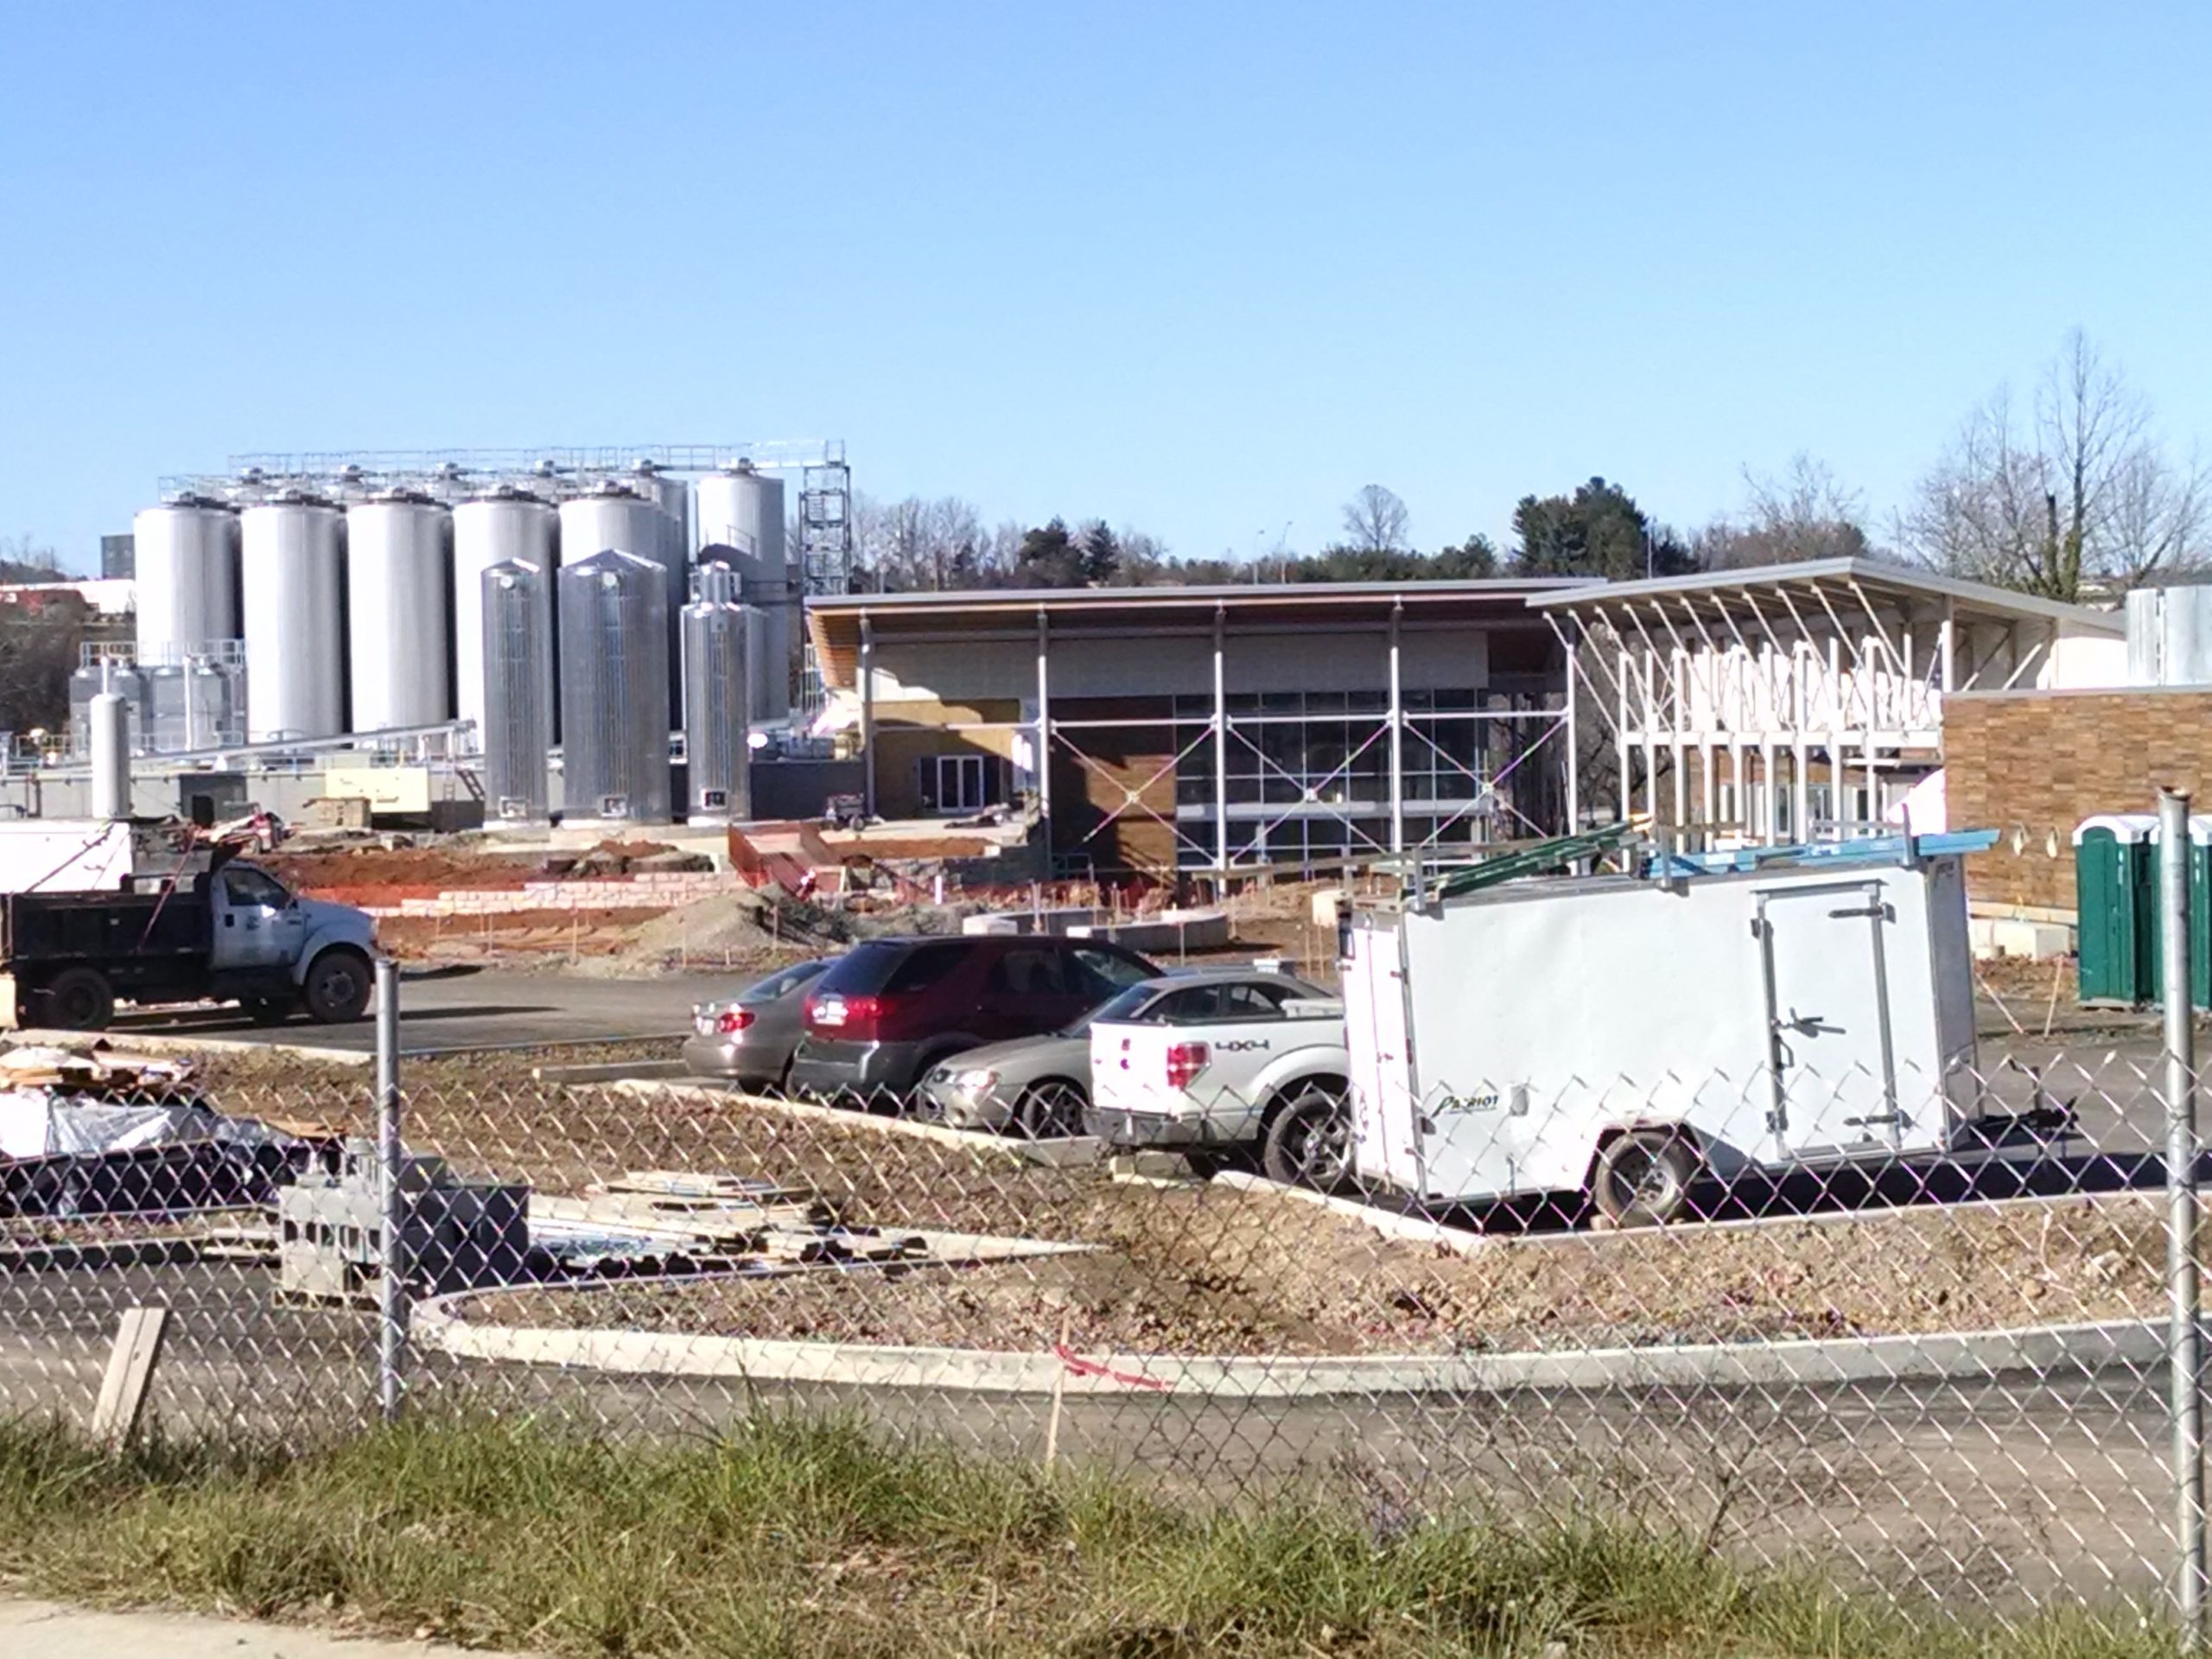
2032 764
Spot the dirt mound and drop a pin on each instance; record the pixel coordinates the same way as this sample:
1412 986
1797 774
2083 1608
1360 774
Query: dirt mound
730 929
428 867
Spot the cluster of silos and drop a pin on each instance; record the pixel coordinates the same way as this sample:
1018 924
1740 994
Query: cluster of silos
290 615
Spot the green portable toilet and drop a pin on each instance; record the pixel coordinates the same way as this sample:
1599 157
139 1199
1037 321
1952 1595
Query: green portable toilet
2200 916
2115 891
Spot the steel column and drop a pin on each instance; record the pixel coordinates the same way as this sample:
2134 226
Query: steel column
1044 736
1574 743
867 716
1220 741
1397 742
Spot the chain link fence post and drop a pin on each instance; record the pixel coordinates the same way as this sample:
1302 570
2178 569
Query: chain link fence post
2184 1352
391 1278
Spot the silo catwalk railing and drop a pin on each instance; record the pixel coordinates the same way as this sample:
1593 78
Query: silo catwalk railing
615 680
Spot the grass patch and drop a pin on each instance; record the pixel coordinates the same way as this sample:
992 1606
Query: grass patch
801 1537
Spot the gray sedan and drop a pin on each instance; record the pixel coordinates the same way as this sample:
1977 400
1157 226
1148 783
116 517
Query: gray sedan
749 1037
1039 1086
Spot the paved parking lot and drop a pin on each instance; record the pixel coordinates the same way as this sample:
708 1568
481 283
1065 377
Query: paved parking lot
450 1009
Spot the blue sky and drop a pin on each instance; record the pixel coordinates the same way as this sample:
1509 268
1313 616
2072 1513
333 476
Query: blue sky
1203 269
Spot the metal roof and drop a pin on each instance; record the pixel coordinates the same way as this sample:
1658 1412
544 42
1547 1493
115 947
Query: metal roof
1870 578
1226 594
834 620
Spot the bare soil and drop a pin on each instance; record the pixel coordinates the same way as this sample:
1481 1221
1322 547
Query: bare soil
1216 1269
1219 1271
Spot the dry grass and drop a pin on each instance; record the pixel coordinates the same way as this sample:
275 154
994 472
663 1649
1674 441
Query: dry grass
792 1538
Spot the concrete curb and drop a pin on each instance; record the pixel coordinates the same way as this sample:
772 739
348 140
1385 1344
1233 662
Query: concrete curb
1080 1149
127 1041
1460 1241
2083 1348
108 1253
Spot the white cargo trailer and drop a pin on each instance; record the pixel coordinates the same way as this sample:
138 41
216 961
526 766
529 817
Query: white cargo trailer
1622 1035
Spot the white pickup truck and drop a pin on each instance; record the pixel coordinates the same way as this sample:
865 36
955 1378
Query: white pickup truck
1269 1072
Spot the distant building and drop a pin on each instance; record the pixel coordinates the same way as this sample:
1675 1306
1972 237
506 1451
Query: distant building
119 556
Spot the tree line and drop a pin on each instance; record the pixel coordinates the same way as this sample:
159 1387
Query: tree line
2068 492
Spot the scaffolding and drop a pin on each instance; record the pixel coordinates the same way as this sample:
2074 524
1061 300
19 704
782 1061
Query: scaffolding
1800 702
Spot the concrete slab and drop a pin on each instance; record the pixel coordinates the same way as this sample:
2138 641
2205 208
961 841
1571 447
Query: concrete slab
44 1629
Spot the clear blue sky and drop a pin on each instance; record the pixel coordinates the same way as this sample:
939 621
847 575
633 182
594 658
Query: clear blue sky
1201 268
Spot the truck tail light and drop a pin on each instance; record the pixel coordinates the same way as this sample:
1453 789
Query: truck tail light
1185 1062
730 1022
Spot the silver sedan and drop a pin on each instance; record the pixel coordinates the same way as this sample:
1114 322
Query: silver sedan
749 1037
1039 1086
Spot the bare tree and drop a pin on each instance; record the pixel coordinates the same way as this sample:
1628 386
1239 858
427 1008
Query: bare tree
1375 519
1804 513
918 544
2077 492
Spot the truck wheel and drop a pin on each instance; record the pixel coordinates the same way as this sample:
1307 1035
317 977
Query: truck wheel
1050 1111
1643 1179
337 987
1309 1143
77 999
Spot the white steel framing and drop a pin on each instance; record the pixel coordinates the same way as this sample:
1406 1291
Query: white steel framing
1228 732
1773 680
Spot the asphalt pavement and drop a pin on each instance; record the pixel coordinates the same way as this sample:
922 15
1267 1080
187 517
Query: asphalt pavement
445 1010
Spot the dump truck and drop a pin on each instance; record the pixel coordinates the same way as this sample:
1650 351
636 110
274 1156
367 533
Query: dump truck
229 933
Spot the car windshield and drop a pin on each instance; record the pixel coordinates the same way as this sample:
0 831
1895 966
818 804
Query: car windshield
1120 1006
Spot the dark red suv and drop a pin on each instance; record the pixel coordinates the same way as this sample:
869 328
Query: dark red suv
890 1009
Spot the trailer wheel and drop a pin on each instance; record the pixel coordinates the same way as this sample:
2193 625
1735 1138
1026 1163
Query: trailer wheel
1309 1143
1642 1178
77 999
338 986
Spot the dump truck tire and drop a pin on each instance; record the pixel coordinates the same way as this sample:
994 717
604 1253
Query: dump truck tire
338 986
77 999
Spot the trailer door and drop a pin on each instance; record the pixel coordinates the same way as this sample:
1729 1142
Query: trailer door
1384 1144
1831 1064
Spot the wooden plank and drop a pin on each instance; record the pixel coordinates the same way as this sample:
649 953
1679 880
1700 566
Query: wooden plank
129 1372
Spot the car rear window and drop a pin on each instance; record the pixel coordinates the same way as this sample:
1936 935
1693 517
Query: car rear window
778 986
888 966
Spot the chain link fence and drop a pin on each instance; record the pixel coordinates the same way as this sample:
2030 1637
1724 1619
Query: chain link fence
1941 1379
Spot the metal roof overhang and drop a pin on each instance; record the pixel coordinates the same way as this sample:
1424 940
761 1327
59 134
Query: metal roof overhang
1865 584
835 623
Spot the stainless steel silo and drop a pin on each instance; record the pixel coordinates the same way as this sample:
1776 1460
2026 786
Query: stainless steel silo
502 527
614 675
399 610
129 684
611 516
515 645
672 492
716 698
294 590
742 508
187 576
